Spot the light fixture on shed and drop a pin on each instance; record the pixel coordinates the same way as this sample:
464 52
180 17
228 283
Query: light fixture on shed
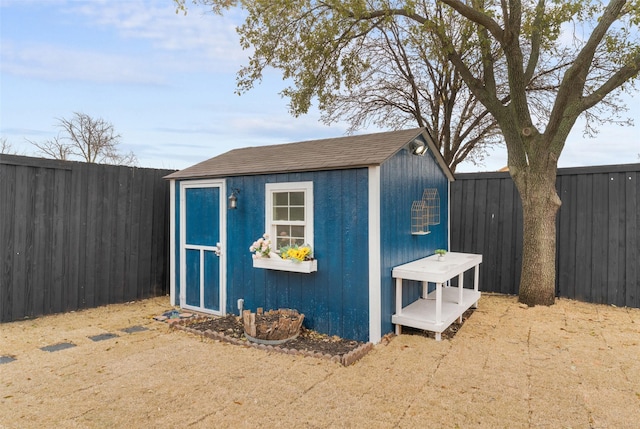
233 199
418 147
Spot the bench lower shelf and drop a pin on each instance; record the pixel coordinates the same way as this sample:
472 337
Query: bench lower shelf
421 314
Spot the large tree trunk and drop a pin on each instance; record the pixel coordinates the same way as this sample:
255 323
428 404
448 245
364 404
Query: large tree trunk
540 204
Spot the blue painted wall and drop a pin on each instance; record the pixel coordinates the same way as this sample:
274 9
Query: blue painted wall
335 298
403 179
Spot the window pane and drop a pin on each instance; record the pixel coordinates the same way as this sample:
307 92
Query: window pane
297 213
282 242
283 231
281 198
297 198
297 231
280 213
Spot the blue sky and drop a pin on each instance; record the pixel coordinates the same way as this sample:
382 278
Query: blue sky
166 82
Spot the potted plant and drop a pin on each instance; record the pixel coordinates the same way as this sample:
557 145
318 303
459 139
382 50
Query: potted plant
261 248
440 253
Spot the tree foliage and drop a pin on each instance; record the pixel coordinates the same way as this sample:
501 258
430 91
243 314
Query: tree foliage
93 140
407 83
535 66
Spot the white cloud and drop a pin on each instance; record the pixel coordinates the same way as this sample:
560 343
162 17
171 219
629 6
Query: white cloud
208 40
51 62
174 44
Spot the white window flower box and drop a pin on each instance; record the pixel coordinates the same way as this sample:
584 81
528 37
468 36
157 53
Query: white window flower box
277 263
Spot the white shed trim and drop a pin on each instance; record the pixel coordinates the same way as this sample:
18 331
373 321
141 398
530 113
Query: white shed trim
375 283
172 243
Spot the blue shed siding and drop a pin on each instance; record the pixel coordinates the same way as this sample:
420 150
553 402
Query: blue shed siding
335 298
403 179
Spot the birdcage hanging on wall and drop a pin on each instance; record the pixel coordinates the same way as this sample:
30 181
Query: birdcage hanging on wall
425 212
419 218
431 198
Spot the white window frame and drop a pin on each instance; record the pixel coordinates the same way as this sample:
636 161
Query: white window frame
307 188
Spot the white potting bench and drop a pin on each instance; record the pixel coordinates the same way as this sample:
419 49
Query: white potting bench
437 310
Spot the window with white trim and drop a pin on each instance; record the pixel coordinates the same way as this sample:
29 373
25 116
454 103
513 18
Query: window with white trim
289 213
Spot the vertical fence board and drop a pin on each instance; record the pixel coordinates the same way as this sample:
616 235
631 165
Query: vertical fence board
565 233
134 235
79 234
119 256
583 222
58 287
632 240
599 234
506 222
7 239
42 241
21 217
615 278
145 238
65 241
490 227
159 244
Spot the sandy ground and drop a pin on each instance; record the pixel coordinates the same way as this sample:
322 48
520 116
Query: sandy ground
570 365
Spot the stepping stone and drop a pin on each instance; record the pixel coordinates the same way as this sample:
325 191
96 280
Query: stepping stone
6 359
136 328
103 337
57 347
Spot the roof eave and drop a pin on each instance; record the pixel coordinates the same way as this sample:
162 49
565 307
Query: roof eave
177 176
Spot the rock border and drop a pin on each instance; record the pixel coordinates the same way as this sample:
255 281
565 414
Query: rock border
345 360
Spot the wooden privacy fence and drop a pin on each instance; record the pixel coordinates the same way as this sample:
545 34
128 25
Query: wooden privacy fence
598 232
76 235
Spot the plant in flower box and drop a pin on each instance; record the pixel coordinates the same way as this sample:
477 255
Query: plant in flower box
295 258
297 253
261 248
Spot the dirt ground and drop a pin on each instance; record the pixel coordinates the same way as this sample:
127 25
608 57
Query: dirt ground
570 365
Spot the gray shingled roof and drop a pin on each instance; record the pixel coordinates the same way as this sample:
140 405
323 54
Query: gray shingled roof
326 154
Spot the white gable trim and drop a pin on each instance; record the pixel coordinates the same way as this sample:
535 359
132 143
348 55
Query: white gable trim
375 281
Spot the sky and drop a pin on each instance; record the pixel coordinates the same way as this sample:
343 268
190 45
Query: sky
167 84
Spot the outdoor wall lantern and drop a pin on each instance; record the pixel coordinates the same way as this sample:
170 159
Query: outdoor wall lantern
418 147
233 199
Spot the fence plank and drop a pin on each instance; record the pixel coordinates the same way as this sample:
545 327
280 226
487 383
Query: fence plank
7 239
58 286
615 277
632 240
583 222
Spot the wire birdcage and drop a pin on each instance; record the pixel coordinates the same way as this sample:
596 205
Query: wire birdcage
431 200
419 218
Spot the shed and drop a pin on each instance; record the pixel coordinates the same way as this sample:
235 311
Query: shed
364 203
